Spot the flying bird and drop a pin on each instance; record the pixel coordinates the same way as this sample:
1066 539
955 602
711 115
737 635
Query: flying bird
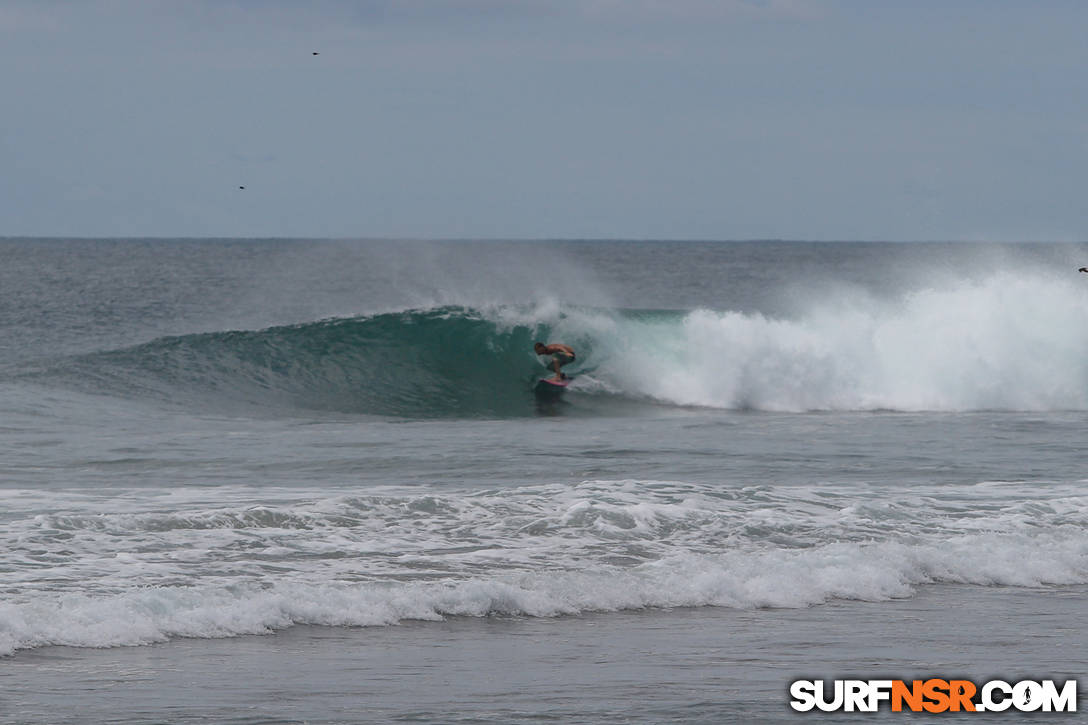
317 54
1083 269
241 187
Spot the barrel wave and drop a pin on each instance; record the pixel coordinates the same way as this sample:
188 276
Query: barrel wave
1002 343
444 362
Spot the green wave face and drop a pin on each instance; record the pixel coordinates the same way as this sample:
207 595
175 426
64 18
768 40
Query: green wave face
445 362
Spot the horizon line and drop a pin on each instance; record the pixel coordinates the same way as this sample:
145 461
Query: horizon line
491 239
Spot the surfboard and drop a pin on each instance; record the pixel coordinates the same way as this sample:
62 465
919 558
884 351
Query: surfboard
549 388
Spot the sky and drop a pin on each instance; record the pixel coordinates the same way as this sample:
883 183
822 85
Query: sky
622 119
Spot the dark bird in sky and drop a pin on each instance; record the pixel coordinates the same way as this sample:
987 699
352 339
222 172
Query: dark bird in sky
1083 269
241 187
317 54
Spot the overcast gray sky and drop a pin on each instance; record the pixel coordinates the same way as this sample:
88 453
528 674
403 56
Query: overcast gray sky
683 119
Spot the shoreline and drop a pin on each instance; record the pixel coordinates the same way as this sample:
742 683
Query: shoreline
696 665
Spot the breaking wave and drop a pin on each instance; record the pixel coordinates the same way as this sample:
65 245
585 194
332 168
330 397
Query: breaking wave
175 565
1003 343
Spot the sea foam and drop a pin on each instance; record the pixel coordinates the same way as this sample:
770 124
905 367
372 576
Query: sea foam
1007 342
99 578
773 578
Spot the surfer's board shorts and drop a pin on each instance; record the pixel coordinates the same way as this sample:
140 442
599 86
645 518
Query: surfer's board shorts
563 358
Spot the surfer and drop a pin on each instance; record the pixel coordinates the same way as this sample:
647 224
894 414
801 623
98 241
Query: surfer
561 355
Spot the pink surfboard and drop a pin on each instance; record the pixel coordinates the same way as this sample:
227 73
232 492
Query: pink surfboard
550 387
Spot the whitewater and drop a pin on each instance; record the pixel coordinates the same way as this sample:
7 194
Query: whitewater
335 445
170 566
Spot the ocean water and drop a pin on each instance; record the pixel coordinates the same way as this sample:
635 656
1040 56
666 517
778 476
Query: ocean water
776 460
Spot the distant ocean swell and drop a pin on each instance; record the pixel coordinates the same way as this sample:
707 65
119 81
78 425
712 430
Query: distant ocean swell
1005 343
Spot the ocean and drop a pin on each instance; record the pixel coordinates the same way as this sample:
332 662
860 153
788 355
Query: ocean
306 481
